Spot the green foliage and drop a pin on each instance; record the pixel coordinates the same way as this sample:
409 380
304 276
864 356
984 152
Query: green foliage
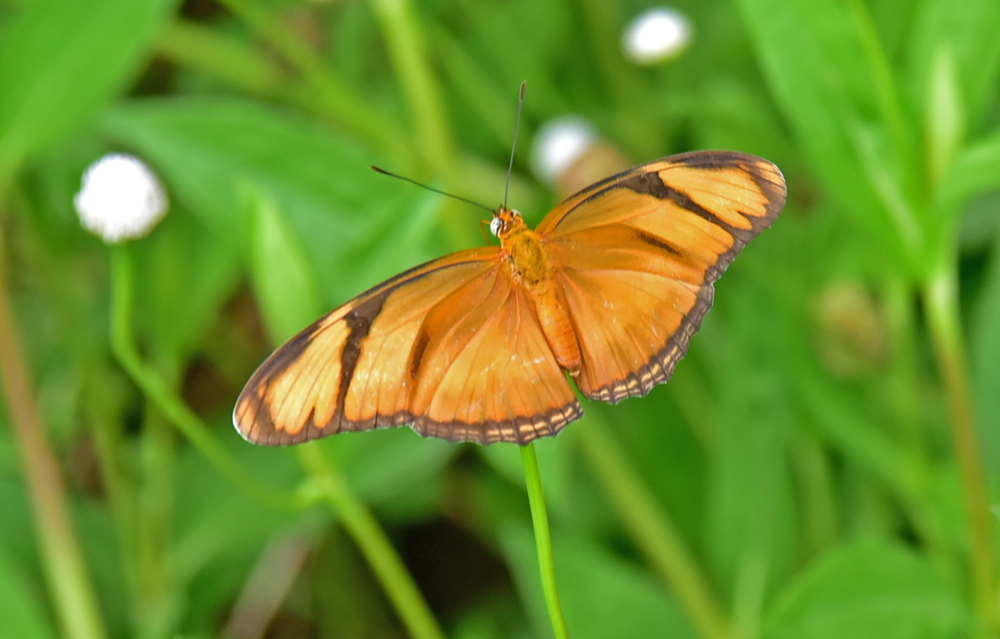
802 455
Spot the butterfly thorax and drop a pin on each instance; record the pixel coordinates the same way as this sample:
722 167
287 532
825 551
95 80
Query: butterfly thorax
529 263
524 250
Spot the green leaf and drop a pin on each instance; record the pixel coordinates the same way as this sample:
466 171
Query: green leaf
944 116
971 30
283 280
815 62
868 589
603 597
976 170
220 532
355 227
61 59
753 534
752 520
389 464
21 614
184 275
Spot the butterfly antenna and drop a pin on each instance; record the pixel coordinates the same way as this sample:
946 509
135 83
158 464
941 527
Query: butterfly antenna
517 124
430 188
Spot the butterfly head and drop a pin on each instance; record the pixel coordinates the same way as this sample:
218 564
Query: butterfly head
504 221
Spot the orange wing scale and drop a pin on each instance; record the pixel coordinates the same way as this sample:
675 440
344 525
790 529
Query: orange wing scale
455 347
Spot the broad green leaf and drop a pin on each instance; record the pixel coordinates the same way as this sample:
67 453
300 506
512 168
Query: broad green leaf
976 170
753 535
283 280
389 464
220 531
60 59
603 596
338 209
815 64
866 590
971 31
21 614
184 275
660 445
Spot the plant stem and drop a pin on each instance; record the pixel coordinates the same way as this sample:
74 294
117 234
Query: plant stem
172 406
69 585
653 531
325 484
543 541
329 486
941 308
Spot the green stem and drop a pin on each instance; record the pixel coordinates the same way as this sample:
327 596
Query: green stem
163 396
941 307
329 486
326 485
69 585
653 531
543 540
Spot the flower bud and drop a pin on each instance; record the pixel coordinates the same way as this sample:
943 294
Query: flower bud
569 155
657 35
120 198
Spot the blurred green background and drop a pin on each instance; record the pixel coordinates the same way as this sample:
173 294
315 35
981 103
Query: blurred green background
823 463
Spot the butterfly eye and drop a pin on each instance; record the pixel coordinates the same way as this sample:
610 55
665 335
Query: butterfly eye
495 226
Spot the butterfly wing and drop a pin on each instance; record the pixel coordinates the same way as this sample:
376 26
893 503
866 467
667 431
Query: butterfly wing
451 347
636 256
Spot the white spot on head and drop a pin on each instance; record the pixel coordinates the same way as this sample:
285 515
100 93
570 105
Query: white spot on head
558 144
656 35
120 198
495 227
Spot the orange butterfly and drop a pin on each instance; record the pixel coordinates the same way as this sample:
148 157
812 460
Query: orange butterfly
475 346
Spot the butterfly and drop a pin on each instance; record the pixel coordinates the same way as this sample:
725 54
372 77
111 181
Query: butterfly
480 345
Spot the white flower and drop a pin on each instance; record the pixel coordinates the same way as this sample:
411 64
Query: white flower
656 35
120 198
558 144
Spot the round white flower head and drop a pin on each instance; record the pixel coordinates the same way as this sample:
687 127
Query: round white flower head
120 198
656 35
558 144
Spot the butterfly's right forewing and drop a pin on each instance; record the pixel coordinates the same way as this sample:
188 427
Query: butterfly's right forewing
636 257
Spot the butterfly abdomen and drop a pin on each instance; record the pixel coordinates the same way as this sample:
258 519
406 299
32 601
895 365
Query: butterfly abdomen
558 329
530 266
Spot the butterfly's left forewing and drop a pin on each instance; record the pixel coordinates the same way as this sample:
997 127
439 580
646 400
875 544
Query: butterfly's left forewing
449 347
636 256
